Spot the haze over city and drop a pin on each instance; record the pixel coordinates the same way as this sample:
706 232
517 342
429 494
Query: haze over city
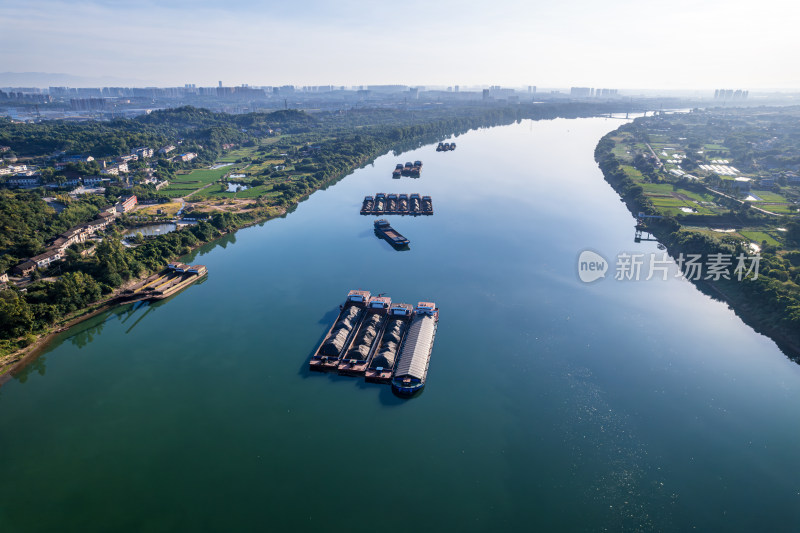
620 43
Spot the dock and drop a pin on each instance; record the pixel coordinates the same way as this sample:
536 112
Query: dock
381 341
397 204
175 278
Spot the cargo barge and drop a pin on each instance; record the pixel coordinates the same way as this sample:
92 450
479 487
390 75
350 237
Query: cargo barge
415 204
397 204
445 147
427 205
368 206
388 346
354 362
340 336
416 169
411 370
398 171
386 232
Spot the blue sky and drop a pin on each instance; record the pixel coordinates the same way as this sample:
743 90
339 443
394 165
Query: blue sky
611 43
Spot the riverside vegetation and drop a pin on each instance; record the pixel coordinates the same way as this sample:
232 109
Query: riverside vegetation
708 213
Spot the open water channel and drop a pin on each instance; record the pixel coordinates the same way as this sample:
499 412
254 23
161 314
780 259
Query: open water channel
551 404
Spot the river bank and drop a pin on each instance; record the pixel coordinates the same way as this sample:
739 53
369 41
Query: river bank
757 302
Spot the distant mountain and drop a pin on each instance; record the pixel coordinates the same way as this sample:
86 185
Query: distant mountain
49 79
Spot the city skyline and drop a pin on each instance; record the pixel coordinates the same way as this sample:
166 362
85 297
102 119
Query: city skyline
618 44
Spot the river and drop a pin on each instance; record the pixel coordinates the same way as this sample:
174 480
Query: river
551 404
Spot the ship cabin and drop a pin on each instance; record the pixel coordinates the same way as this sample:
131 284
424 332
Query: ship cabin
180 268
197 269
358 297
409 164
379 302
400 310
417 163
426 308
399 166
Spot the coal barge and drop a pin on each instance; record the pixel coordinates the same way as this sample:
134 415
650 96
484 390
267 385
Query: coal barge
340 336
354 362
445 147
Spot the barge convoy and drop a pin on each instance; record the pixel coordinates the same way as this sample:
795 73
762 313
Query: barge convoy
410 169
445 147
381 341
397 204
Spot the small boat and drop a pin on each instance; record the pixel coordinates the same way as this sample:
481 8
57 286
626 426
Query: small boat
452 146
440 148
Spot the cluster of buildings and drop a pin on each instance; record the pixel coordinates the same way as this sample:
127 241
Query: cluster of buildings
57 249
730 94
28 177
589 92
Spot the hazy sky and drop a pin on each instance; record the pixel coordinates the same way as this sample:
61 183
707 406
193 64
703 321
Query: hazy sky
613 43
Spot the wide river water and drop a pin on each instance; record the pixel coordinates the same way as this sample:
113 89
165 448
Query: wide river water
551 404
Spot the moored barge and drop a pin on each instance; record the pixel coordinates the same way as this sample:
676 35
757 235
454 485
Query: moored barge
368 205
415 204
411 370
341 334
407 168
391 204
384 230
354 362
380 204
398 170
387 348
427 205
402 204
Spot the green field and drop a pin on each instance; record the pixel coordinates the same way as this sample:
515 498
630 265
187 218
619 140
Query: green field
759 236
769 196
